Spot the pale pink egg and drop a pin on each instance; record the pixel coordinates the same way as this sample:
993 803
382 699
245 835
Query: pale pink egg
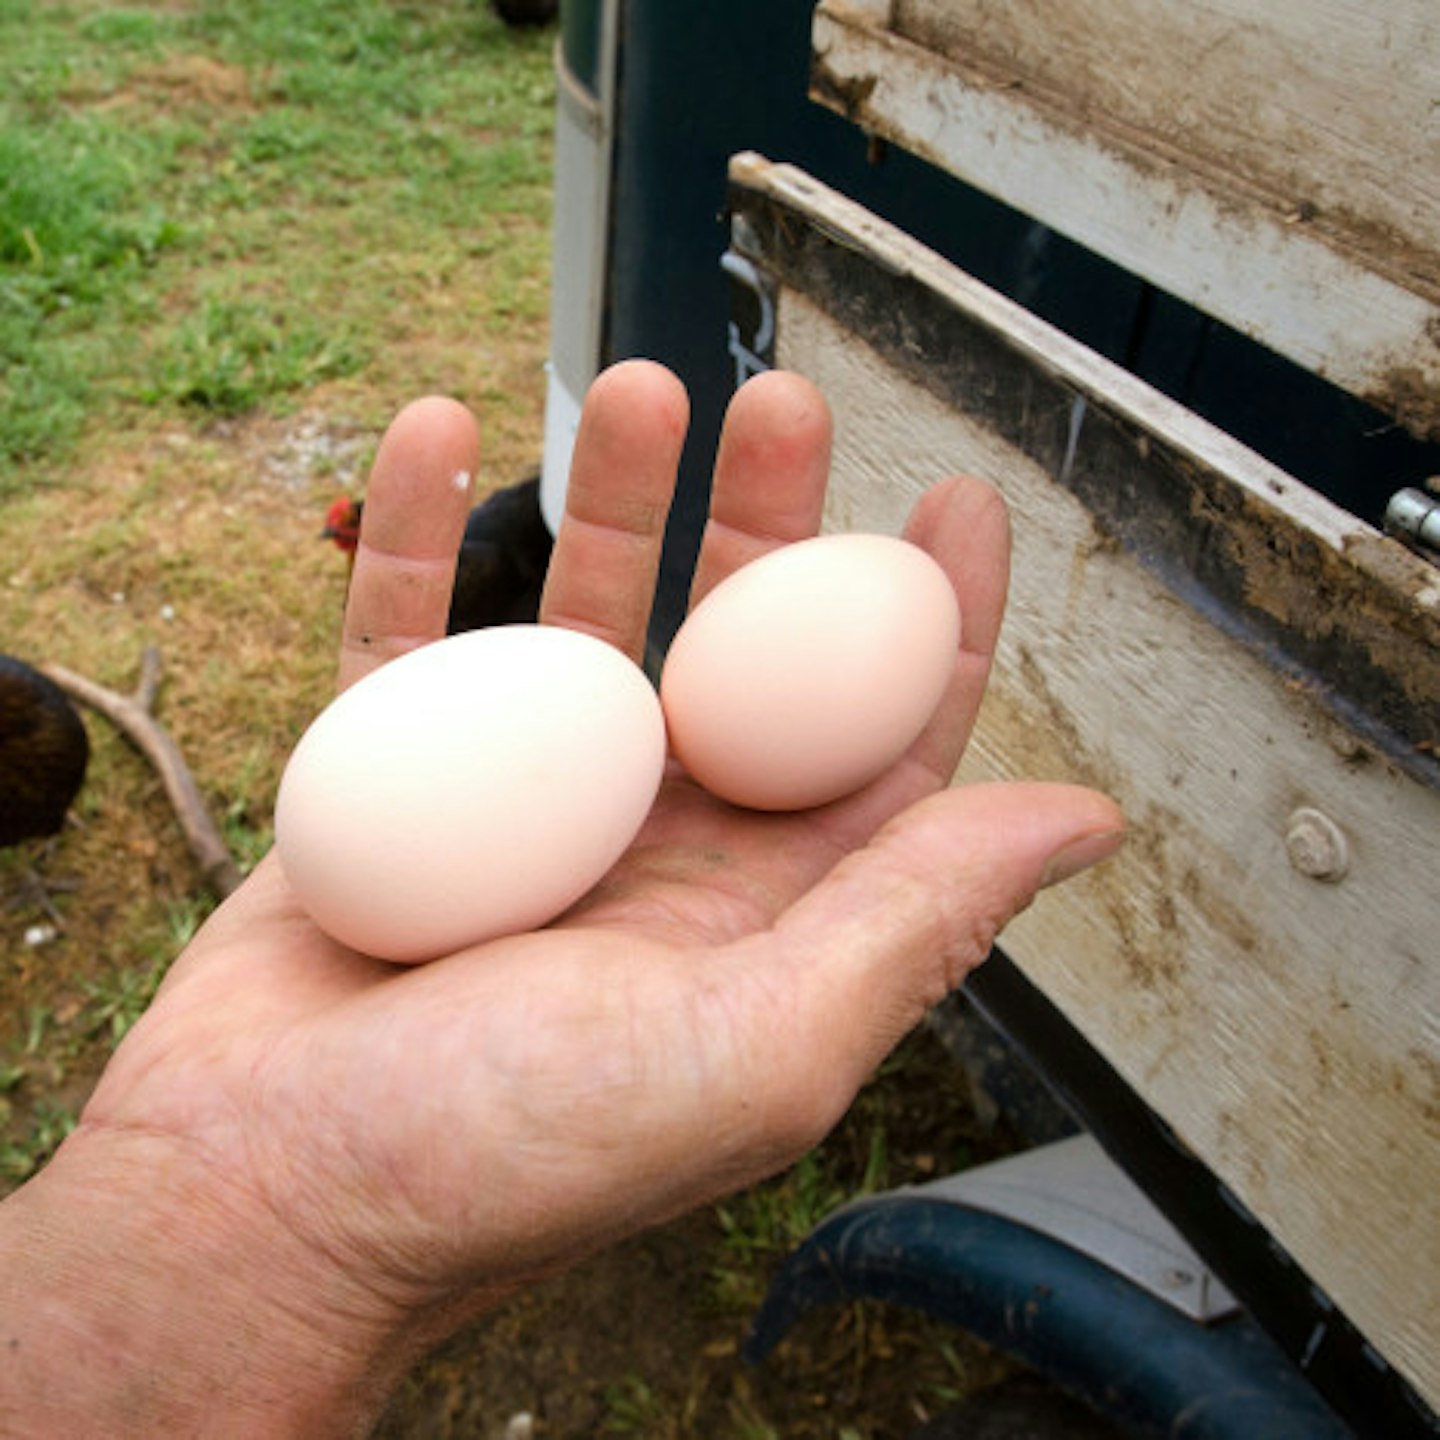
810 671
476 787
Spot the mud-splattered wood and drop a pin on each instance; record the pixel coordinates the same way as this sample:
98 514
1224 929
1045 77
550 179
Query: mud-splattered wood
1273 165
1261 963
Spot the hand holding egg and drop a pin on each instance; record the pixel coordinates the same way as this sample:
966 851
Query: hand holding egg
810 671
475 787
339 1160
481 785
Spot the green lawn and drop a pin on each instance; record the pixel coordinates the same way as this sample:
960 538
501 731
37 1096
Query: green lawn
219 205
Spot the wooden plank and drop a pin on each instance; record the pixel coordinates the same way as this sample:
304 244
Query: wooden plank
1328 103
1304 214
1287 1026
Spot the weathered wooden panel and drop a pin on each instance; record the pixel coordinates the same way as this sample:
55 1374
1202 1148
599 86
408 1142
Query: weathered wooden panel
1328 103
1286 1025
1276 166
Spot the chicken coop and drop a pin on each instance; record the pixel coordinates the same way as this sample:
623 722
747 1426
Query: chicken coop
1169 275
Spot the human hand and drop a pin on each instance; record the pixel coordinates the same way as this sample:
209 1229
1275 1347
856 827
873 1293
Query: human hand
343 1159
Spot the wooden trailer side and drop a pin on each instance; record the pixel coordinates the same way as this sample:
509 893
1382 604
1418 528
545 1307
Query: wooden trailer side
1261 962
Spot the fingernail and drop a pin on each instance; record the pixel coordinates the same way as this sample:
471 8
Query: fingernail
1080 855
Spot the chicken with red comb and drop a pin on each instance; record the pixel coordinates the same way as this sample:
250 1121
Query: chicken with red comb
342 523
503 557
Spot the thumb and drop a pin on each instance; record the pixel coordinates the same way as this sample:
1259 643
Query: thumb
899 924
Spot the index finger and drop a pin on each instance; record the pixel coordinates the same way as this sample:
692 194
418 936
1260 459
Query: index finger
410 530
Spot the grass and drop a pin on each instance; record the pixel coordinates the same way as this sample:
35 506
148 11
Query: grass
233 356
218 206
49 1045
65 255
762 1225
235 236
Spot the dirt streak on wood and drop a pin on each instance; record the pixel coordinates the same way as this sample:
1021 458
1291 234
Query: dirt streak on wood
1326 105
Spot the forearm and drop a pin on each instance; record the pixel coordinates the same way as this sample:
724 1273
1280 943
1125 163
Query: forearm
137 1298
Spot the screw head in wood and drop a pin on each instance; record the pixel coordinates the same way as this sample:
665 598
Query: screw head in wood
1317 845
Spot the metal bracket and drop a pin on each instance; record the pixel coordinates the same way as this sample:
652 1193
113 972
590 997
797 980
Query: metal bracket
1414 517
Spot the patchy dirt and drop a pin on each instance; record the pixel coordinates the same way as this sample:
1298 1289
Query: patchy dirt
624 1346
190 80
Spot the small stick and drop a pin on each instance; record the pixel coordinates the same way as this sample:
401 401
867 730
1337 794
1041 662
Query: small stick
131 715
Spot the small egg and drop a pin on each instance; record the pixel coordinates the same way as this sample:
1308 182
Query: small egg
473 788
810 671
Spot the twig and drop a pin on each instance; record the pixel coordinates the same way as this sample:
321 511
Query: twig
131 715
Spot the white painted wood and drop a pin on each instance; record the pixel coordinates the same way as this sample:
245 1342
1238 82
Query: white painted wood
872 12
1303 216
1329 103
1287 1028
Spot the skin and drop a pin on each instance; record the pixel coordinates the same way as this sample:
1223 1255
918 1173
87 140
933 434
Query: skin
303 1167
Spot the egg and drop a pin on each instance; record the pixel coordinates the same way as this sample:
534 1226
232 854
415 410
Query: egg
473 788
808 672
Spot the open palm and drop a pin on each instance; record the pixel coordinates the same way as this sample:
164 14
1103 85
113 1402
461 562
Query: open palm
426 1138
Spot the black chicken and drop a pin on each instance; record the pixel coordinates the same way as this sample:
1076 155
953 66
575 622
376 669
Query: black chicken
44 751
503 556
526 12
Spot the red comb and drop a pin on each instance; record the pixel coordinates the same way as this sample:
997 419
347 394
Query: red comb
342 523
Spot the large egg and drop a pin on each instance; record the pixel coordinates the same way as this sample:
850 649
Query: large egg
473 788
808 672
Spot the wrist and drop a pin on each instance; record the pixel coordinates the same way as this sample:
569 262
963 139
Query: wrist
140 1295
